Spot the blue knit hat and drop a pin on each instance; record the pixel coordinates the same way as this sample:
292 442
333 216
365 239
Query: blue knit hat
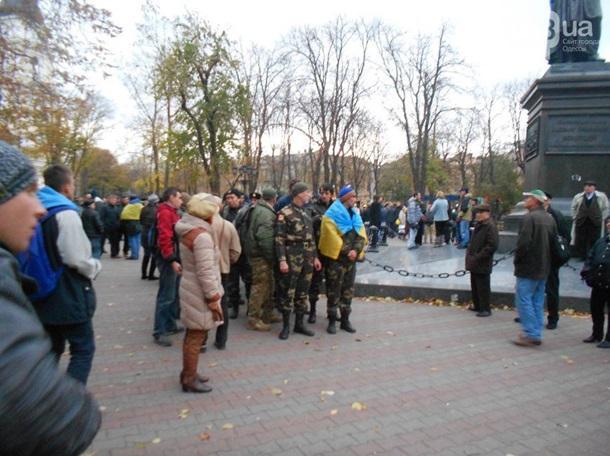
16 174
346 192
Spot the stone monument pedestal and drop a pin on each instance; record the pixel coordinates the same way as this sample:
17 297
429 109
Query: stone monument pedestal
568 136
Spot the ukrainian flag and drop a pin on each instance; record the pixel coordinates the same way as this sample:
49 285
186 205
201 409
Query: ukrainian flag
335 223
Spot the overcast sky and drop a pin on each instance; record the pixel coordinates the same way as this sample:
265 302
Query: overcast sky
501 40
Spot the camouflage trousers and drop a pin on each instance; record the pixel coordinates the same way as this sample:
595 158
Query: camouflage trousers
260 304
340 277
316 283
293 287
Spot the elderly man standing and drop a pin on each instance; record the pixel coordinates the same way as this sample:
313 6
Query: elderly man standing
342 241
479 258
259 247
589 209
297 257
532 266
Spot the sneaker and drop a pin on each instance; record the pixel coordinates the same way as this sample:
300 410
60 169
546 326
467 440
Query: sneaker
163 341
524 341
592 340
257 325
485 313
604 344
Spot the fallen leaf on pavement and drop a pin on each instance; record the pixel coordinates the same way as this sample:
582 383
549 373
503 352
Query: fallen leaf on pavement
333 412
390 333
156 440
358 406
184 413
212 364
285 382
102 408
276 391
434 369
227 426
204 436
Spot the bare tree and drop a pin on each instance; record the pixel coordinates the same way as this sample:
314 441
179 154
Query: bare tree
419 73
466 131
512 93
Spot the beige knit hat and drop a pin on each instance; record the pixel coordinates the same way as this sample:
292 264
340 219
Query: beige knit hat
203 206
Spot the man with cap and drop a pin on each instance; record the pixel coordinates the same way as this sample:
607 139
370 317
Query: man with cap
260 247
342 241
552 281
297 257
479 258
233 206
532 267
43 411
316 210
589 209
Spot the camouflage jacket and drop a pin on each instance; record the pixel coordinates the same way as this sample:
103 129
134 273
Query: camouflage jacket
293 226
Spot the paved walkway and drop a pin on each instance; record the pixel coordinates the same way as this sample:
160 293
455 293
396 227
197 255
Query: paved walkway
415 380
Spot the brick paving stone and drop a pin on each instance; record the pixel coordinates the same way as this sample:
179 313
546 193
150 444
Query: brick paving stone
433 380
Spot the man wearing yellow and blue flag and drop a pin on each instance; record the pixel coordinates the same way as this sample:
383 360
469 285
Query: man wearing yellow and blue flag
342 241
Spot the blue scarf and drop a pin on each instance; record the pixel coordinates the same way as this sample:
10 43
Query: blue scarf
344 219
50 198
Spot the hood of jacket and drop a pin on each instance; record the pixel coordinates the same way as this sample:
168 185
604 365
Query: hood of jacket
189 222
51 198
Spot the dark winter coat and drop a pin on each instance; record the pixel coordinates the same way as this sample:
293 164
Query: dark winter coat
482 246
533 254
44 412
596 270
375 214
110 216
92 224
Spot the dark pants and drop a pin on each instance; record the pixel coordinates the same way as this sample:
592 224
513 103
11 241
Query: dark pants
167 306
82 347
222 332
149 255
586 234
441 230
420 233
600 304
481 291
552 295
114 237
241 269
374 236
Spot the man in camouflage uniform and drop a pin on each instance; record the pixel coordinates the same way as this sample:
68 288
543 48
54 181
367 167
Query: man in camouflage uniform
316 210
297 257
340 267
260 248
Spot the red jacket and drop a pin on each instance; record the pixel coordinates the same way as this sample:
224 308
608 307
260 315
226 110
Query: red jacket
167 216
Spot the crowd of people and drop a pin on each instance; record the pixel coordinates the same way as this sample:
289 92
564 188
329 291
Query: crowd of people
204 246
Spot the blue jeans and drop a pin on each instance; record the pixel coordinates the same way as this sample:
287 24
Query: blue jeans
412 236
96 248
134 245
82 347
166 308
529 300
464 233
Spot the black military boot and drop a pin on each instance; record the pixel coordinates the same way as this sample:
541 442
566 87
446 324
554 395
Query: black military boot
285 332
299 327
345 324
234 311
332 319
312 312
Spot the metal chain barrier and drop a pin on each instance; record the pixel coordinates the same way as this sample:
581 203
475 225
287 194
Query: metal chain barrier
442 275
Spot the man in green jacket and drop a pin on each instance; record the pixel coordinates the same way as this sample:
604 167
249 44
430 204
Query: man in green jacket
260 250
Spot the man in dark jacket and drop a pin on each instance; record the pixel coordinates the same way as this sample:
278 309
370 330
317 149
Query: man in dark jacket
596 273
110 214
479 258
233 204
532 267
94 229
375 217
43 411
552 281
148 220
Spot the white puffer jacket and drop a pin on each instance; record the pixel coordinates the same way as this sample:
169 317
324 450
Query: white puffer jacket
200 283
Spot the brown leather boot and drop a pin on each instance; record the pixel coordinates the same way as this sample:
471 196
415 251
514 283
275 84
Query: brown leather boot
190 380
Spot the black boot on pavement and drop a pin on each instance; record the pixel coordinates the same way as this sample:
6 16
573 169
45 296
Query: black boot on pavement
332 319
345 324
312 312
286 328
299 327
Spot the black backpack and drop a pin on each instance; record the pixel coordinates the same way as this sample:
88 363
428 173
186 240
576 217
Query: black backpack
242 222
560 250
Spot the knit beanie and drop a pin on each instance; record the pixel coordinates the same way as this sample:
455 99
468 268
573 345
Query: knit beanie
16 173
346 192
297 188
